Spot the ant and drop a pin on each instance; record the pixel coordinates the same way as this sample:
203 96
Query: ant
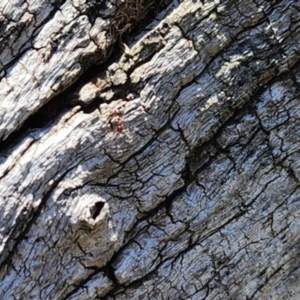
117 121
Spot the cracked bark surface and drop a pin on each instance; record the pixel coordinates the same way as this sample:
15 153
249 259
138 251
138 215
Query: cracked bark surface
165 167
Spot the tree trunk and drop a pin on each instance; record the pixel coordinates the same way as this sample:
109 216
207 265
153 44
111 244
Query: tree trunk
149 150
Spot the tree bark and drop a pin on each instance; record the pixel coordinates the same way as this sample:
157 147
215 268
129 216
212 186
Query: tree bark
149 150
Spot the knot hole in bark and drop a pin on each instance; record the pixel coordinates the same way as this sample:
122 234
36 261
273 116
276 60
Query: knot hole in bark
96 209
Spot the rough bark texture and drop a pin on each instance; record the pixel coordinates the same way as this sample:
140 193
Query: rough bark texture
165 167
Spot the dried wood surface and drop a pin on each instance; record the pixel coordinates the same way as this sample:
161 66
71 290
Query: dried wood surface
149 151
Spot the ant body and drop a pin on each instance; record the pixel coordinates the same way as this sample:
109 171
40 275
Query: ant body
117 121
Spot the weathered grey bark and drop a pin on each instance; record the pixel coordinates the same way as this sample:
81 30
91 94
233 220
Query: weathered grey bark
167 168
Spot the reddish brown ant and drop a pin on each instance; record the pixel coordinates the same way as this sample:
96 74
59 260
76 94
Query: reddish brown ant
117 121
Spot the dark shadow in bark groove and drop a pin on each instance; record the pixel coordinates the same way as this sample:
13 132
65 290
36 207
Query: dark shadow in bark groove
64 102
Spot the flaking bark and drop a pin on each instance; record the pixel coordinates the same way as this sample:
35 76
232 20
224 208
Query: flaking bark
149 150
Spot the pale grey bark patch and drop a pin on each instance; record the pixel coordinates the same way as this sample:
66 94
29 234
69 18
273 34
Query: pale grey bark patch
172 173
